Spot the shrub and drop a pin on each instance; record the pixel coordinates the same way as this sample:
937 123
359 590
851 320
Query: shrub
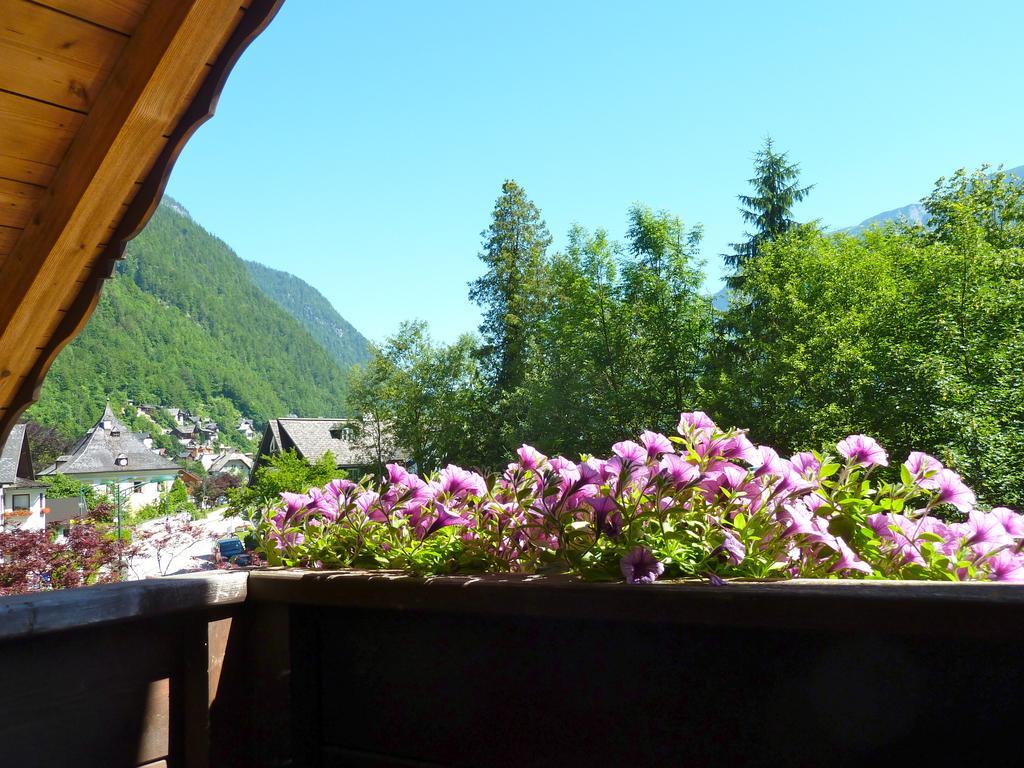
39 560
705 503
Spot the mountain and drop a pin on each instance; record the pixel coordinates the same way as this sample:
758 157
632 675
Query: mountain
307 305
913 213
183 323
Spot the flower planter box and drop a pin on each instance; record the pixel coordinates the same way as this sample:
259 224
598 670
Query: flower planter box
389 670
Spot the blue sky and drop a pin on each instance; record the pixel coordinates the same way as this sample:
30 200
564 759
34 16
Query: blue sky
360 146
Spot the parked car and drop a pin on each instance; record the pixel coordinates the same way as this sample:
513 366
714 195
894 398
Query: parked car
233 551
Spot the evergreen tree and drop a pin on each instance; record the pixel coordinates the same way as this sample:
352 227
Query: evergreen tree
509 292
776 189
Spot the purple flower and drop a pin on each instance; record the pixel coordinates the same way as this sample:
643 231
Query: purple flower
594 471
530 457
1006 566
1012 523
294 503
768 462
951 488
985 528
639 566
733 548
425 524
338 488
323 503
736 447
656 444
367 504
458 481
397 474
806 464
861 450
848 559
681 472
691 422
602 506
630 451
921 465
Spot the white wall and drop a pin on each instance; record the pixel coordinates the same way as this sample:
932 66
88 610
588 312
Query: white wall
35 520
147 493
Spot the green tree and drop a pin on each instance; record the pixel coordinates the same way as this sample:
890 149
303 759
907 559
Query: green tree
574 398
424 394
510 293
912 334
768 209
669 320
283 472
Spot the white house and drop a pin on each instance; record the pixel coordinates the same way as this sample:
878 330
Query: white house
23 499
235 463
113 459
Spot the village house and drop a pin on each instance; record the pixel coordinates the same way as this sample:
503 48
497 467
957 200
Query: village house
112 458
247 428
233 463
346 439
22 497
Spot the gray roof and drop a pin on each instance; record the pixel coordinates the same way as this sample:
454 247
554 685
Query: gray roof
96 451
223 461
10 457
311 439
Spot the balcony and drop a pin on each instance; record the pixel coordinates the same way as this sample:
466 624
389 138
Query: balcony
274 668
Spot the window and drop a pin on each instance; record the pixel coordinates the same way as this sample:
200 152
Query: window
137 486
121 460
21 501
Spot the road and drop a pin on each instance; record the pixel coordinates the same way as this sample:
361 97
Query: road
184 553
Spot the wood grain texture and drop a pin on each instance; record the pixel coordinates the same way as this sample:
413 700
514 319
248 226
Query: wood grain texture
33 134
54 57
17 201
120 15
118 142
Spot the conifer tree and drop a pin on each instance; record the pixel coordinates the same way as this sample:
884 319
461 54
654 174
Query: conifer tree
514 247
776 189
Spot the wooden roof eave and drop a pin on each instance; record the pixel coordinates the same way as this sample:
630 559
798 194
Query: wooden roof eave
173 40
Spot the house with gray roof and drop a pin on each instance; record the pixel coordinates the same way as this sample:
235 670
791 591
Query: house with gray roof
233 462
22 497
355 444
110 456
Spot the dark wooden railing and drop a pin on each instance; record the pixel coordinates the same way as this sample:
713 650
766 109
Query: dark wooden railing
277 668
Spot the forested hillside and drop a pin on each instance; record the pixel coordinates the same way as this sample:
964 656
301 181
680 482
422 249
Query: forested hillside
183 324
307 305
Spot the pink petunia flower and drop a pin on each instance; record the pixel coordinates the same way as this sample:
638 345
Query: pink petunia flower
530 457
951 488
862 451
921 465
656 444
639 566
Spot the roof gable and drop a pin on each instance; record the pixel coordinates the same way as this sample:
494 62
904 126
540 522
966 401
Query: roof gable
15 460
101 447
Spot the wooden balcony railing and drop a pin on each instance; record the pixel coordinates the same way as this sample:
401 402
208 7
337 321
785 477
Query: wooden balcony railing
274 668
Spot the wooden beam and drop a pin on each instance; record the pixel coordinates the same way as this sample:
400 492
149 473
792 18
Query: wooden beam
147 99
